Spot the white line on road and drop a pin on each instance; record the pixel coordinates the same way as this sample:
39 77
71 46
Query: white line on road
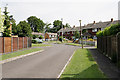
66 65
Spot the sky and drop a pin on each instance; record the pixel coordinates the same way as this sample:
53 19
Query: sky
70 10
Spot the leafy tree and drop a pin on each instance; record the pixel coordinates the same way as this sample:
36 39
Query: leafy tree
67 25
47 28
23 29
6 25
77 34
57 23
1 22
36 24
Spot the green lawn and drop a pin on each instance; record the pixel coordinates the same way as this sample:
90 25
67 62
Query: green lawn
74 44
18 53
40 45
82 65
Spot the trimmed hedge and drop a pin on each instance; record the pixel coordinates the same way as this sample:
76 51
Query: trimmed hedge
108 31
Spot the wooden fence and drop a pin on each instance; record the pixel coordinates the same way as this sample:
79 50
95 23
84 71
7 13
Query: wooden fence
10 44
110 46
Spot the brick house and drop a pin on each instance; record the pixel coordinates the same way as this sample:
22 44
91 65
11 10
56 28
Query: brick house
90 29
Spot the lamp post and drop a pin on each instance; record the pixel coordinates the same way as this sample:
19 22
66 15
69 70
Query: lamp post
62 29
81 33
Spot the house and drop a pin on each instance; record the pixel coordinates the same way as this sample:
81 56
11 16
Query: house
46 36
50 36
90 29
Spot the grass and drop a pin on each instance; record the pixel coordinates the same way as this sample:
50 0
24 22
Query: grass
74 44
82 65
18 53
40 45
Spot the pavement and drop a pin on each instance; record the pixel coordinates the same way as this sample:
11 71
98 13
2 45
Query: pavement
105 65
46 64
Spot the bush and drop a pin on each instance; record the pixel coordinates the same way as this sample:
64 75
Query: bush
34 41
60 38
35 36
41 37
111 30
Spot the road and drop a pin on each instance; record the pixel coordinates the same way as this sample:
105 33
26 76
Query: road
47 64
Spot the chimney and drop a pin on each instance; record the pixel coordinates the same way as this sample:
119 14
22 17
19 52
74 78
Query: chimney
93 22
111 19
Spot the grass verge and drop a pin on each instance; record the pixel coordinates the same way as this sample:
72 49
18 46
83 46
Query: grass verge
74 44
82 65
40 45
18 53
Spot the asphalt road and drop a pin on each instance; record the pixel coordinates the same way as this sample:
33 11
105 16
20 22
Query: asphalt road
47 64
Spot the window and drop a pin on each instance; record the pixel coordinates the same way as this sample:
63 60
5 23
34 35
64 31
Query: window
94 30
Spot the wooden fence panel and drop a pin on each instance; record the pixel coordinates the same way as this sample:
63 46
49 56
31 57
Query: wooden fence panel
118 47
20 42
15 43
7 44
25 42
1 45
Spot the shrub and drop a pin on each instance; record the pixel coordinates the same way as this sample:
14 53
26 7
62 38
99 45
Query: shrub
34 41
35 36
111 30
41 37
60 38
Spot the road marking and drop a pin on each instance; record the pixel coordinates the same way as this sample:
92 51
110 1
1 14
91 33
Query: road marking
11 59
66 65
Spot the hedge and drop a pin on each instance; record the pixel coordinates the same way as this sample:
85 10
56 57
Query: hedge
108 31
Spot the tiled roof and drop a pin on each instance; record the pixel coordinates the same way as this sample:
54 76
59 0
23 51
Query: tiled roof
91 25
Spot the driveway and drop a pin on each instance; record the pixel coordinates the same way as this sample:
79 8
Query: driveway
47 64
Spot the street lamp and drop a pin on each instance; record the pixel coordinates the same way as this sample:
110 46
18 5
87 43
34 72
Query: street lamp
62 29
81 33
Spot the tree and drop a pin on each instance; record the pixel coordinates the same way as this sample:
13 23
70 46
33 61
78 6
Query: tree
67 25
57 23
23 29
47 28
1 22
6 25
36 24
77 34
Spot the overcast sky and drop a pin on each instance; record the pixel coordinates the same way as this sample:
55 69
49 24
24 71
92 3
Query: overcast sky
70 10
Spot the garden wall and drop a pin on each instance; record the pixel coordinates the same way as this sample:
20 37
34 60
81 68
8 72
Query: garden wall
10 44
110 46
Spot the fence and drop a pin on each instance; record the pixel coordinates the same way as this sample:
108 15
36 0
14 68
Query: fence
110 46
10 44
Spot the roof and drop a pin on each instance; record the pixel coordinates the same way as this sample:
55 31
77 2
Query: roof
91 26
37 33
52 33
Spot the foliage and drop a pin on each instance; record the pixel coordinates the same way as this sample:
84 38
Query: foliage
36 24
77 34
6 25
111 30
23 29
34 41
67 25
41 37
35 36
57 23
1 22
60 38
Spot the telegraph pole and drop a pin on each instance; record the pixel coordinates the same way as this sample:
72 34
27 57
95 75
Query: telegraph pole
81 34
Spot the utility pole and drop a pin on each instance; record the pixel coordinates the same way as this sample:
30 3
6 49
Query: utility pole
81 34
62 29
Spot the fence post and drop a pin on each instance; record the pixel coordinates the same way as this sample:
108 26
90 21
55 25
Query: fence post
11 44
3 44
27 42
23 42
18 43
